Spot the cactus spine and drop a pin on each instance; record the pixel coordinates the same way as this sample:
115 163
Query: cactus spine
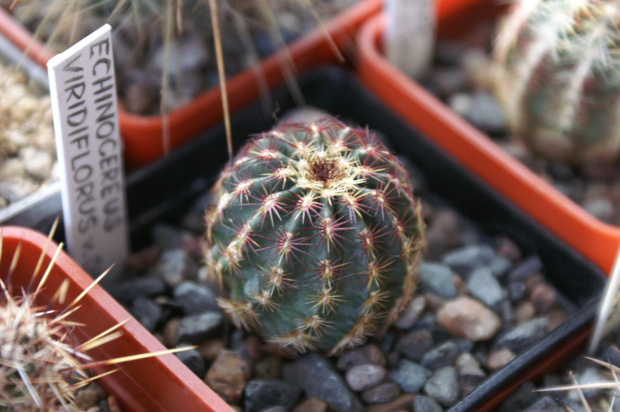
558 77
37 368
316 234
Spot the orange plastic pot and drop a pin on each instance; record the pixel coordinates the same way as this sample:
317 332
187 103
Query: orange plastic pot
596 240
143 135
153 384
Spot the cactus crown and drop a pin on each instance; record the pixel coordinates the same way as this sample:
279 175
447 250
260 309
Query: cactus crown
314 230
558 76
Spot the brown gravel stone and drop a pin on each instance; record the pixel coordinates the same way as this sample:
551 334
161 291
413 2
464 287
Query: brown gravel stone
312 405
533 281
461 286
143 259
556 317
86 398
543 297
228 376
252 344
113 404
171 337
433 302
469 319
268 368
524 312
443 233
500 358
383 393
403 402
365 354
209 349
508 249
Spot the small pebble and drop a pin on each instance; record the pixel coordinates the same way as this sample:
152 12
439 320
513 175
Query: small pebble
194 298
86 398
412 313
268 368
525 335
466 364
485 287
147 312
196 328
524 312
316 376
415 344
192 359
363 377
365 354
443 386
508 249
500 358
228 376
486 114
544 297
402 403
467 258
469 319
525 269
441 355
175 266
589 375
437 279
545 404
383 393
313 404
520 399
516 291
263 394
410 376
425 404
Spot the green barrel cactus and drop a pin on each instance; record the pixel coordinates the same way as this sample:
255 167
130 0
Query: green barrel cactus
557 73
315 233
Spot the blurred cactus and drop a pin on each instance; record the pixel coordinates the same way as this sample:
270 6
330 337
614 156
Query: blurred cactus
315 232
43 365
557 74
39 368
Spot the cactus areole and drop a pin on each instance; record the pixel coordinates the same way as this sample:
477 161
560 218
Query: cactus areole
316 234
558 77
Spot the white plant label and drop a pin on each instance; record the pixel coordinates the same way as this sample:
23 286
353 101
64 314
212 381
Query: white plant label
410 35
84 106
608 317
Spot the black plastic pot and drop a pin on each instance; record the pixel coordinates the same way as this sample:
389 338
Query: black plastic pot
165 190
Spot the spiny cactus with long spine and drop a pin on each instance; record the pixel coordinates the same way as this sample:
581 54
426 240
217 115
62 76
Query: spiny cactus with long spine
36 371
315 232
557 73
42 364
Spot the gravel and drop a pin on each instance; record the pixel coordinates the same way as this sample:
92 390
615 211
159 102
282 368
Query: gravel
27 146
450 338
595 187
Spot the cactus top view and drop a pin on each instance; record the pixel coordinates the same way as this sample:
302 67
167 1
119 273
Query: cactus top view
315 232
558 77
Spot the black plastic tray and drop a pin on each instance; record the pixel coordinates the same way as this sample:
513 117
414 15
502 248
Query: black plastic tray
165 190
